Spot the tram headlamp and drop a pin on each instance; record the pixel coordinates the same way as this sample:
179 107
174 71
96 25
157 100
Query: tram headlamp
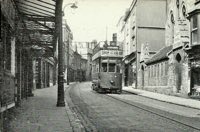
112 82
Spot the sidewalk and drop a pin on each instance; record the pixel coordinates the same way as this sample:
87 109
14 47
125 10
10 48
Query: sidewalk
40 114
165 98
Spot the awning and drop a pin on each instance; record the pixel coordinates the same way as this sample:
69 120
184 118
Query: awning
129 58
38 17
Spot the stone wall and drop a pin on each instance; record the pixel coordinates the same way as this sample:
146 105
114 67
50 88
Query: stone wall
155 77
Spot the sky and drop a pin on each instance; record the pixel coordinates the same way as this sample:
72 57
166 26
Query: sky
93 18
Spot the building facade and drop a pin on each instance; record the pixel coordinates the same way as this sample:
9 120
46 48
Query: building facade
68 51
23 41
180 64
85 50
140 29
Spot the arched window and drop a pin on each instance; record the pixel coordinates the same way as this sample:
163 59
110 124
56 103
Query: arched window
172 17
184 12
178 57
177 3
172 26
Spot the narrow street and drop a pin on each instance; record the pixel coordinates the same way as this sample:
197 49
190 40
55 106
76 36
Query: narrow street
100 66
129 112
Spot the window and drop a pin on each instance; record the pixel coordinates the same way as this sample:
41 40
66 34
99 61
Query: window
149 71
172 26
158 70
166 68
161 69
104 67
177 3
184 11
111 67
194 33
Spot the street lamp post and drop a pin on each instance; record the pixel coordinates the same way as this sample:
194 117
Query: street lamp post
60 96
59 15
74 6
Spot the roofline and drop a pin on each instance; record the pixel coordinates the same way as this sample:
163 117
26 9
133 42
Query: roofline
130 10
154 62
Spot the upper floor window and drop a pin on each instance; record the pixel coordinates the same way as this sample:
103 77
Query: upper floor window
177 3
194 30
184 12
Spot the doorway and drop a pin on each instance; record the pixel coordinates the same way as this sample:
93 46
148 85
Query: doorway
126 75
178 72
142 68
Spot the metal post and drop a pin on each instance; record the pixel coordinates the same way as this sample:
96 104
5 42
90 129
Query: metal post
60 99
68 41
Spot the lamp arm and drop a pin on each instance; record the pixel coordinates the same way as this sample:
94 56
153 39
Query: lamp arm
67 5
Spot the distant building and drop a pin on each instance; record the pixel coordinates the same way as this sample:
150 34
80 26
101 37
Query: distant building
85 50
68 49
143 23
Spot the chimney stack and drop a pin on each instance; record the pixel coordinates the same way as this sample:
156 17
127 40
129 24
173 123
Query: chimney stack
115 38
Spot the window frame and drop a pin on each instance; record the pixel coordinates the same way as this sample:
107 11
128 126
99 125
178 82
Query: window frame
195 29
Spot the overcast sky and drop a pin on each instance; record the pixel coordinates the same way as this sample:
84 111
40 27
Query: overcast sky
90 19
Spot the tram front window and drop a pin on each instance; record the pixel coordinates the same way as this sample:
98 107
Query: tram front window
104 67
111 67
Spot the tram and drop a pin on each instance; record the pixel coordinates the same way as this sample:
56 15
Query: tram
106 71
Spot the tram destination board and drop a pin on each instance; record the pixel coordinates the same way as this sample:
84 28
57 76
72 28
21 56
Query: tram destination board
108 53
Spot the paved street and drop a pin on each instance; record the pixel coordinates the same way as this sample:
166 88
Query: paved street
40 114
142 56
129 112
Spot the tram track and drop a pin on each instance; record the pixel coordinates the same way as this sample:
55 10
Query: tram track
152 112
92 121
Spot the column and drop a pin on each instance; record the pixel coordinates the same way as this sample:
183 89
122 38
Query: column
30 77
39 85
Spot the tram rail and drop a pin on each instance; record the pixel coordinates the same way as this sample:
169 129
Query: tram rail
152 112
